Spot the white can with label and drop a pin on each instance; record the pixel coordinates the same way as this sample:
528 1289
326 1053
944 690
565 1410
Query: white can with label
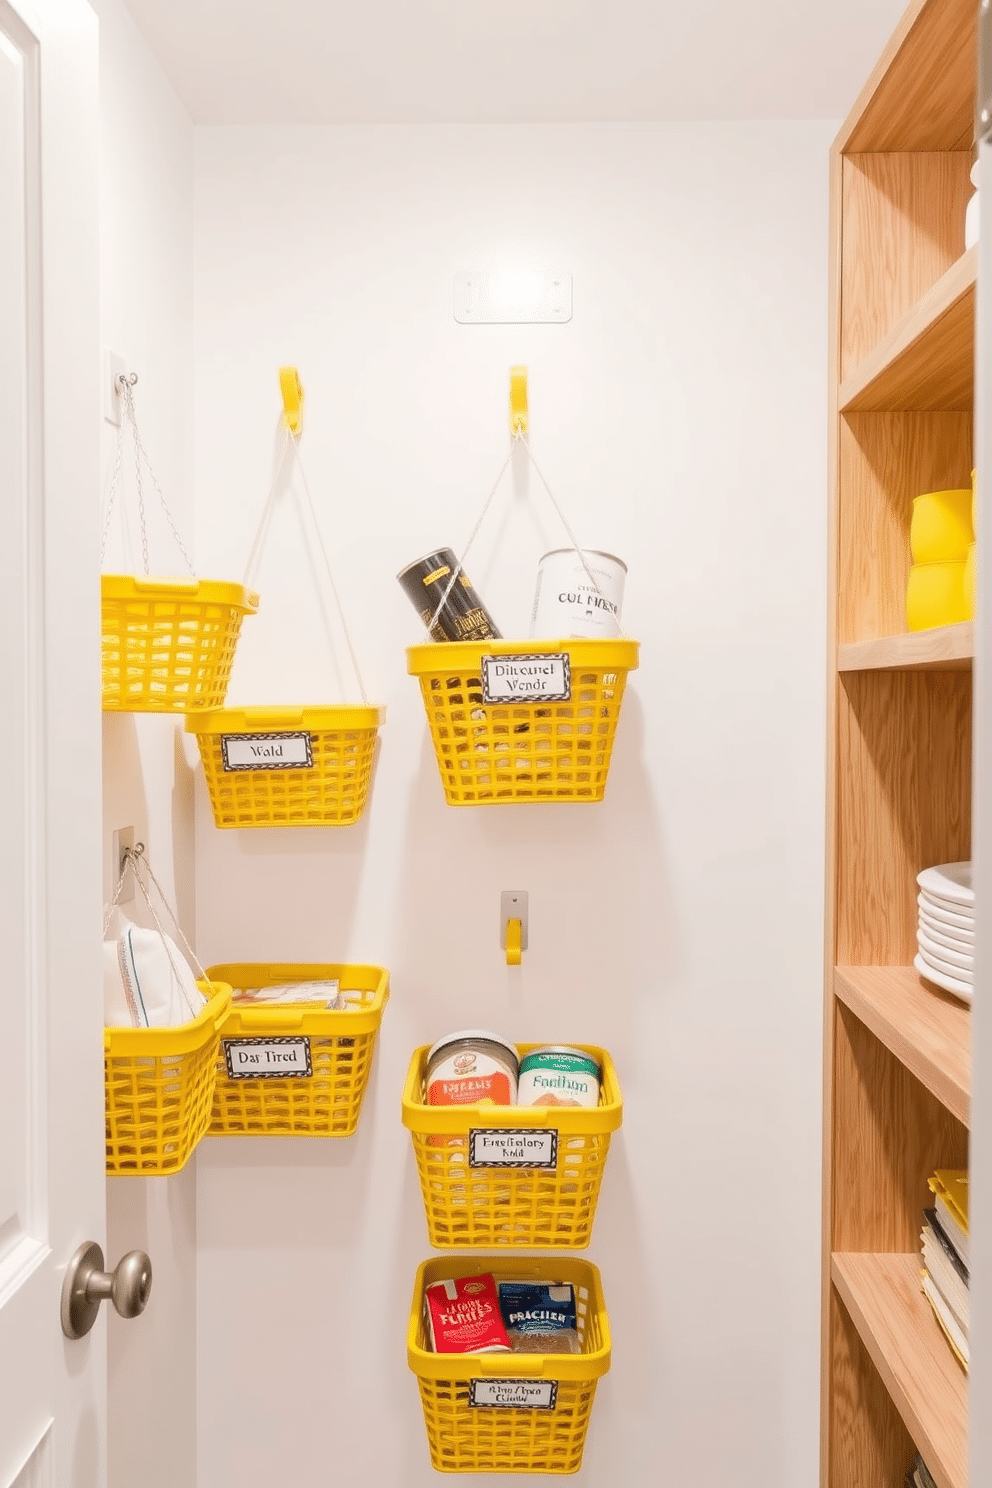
576 598
558 1075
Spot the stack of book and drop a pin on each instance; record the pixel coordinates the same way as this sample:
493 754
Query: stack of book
945 935
945 1256
919 1475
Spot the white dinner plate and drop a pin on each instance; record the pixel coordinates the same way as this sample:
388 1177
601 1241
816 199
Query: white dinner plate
953 914
951 881
941 979
947 935
939 964
943 953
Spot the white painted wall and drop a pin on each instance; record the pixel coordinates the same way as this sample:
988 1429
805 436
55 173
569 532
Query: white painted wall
680 418
146 316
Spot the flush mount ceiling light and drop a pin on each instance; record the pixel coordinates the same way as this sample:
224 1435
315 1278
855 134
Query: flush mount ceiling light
513 297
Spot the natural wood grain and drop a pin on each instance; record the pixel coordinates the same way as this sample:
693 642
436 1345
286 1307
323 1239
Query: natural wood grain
924 1380
896 1077
903 803
927 1030
869 1447
927 360
948 648
885 459
890 1134
903 229
921 94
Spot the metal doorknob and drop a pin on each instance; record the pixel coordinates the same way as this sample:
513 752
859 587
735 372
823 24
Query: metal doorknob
86 1285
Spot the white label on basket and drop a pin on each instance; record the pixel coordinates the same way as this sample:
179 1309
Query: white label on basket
538 678
512 1148
508 1394
268 1059
266 751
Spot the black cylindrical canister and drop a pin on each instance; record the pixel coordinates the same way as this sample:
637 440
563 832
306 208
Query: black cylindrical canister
463 616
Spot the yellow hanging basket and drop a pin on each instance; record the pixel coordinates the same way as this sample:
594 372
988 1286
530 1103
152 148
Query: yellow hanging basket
159 1086
473 1206
472 1424
287 767
333 1046
168 645
495 747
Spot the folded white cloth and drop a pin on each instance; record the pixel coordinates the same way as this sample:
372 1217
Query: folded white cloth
146 980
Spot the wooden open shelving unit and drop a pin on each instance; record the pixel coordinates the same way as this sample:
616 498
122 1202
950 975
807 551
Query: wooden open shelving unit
897 1048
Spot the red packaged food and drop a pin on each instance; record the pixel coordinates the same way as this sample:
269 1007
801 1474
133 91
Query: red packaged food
463 1316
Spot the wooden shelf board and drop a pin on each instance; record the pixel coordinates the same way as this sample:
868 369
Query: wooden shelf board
947 648
921 95
926 1383
927 1029
927 362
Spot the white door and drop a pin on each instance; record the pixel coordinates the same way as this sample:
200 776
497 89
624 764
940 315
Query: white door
52 1391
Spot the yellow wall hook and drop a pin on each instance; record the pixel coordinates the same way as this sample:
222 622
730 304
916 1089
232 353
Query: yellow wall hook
519 412
293 398
513 942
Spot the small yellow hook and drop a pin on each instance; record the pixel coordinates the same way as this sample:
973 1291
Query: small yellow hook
519 412
293 398
513 942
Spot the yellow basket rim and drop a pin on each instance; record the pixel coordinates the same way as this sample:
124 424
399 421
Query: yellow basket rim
321 718
445 657
209 591
182 1038
574 1120
302 1017
588 1366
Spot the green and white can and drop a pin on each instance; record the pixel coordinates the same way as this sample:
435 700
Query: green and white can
558 1075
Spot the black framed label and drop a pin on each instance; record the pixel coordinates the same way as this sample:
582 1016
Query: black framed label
266 751
509 1147
538 678
268 1059
511 1394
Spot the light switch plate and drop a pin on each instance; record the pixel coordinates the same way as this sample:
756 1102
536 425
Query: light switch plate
522 297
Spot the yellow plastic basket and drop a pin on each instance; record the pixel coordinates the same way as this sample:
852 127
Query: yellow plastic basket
337 1046
478 1207
494 753
159 1085
547 1437
335 748
168 645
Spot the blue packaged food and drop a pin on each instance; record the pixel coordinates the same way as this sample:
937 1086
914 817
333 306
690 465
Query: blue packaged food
539 1317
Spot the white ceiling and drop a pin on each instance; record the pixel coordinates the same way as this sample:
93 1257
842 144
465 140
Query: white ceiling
419 61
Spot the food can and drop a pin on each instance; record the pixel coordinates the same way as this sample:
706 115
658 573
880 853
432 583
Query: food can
472 1067
463 616
558 1075
571 601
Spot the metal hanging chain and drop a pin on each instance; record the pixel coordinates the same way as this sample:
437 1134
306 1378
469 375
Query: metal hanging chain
518 435
125 386
131 858
291 445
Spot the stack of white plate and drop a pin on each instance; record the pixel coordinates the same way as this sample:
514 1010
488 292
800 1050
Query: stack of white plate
946 929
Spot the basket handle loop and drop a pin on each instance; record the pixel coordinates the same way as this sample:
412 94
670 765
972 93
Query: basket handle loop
125 386
519 424
292 423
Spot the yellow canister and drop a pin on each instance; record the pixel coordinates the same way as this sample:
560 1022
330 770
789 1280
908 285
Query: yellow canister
941 526
935 595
